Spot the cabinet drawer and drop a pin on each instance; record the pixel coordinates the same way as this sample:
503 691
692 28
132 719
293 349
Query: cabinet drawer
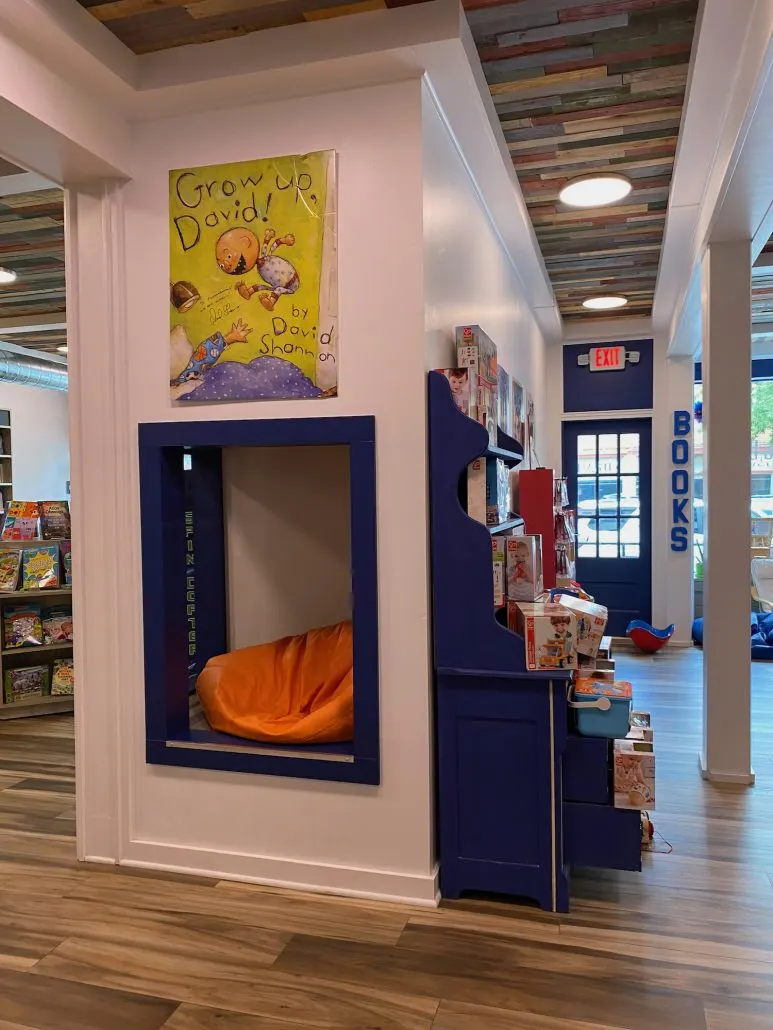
601 836
587 770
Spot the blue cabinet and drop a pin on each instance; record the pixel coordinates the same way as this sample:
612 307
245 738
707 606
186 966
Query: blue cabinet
519 800
499 760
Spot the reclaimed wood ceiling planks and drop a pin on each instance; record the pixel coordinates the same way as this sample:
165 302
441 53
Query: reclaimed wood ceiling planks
586 87
32 245
579 87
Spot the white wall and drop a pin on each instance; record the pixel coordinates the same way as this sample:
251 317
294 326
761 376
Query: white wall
287 540
469 278
40 441
337 836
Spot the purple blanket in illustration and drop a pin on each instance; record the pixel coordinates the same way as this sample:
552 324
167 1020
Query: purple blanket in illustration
260 379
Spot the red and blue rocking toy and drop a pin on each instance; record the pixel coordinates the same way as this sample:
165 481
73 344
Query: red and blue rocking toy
647 638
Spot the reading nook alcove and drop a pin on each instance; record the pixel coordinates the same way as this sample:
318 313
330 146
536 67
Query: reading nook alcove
254 530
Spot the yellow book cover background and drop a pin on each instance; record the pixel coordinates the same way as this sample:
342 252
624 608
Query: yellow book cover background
253 280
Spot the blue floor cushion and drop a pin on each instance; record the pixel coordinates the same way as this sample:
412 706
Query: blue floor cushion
761 631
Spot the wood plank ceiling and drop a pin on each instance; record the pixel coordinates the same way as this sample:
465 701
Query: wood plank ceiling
32 245
591 87
579 87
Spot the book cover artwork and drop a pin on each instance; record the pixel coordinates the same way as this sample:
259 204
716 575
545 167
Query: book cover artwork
253 280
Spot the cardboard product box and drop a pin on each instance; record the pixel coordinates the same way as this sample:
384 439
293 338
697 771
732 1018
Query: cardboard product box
476 350
476 490
498 561
641 727
464 389
634 776
550 635
524 567
591 622
497 491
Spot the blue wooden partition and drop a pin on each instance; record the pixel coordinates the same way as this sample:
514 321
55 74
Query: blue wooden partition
184 591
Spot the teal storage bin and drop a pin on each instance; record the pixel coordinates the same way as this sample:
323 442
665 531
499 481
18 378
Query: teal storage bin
602 709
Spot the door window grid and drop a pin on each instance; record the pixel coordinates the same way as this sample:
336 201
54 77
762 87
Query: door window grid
608 507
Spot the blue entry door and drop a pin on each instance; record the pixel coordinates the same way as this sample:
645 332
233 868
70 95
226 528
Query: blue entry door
608 466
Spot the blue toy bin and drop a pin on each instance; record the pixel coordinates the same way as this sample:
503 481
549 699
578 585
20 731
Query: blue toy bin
602 709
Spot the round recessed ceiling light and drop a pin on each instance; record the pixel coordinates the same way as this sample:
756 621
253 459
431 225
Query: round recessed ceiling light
62 349
7 276
595 190
604 303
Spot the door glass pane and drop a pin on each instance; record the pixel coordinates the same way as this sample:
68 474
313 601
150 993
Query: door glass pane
586 455
608 453
587 492
586 537
629 495
630 538
629 452
609 488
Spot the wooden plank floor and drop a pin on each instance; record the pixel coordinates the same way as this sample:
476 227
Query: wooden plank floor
688 944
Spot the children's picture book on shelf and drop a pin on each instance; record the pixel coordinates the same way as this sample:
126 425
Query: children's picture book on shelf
22 626
65 550
10 563
21 520
476 490
63 678
464 389
253 280
518 412
504 401
530 446
55 520
40 567
57 625
497 491
25 684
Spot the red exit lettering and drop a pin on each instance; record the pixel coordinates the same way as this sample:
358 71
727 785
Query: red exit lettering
607 359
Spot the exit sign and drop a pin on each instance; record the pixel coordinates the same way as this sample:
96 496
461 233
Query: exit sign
607 359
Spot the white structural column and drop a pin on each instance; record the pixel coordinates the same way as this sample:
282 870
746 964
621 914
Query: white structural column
726 290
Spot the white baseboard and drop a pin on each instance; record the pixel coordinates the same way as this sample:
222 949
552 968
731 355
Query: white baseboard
713 776
371 884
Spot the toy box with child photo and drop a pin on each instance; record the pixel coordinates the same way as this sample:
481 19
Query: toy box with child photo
524 567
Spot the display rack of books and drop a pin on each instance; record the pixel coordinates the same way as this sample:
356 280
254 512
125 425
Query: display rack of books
36 663
6 459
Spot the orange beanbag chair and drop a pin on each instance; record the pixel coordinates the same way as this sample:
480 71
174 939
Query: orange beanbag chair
298 690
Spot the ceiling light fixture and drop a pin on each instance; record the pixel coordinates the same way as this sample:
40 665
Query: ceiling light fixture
604 303
7 276
595 190
62 348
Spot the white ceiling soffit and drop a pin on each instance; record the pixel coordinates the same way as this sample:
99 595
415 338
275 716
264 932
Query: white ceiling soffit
430 39
731 62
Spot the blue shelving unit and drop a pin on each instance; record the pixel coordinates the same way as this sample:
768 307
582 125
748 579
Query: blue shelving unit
506 824
501 730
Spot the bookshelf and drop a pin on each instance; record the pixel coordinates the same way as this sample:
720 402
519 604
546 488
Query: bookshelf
6 458
520 798
37 654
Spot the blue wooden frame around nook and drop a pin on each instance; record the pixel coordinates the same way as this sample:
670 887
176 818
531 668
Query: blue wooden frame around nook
185 622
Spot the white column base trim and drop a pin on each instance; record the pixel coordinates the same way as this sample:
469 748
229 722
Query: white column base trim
714 776
370 884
